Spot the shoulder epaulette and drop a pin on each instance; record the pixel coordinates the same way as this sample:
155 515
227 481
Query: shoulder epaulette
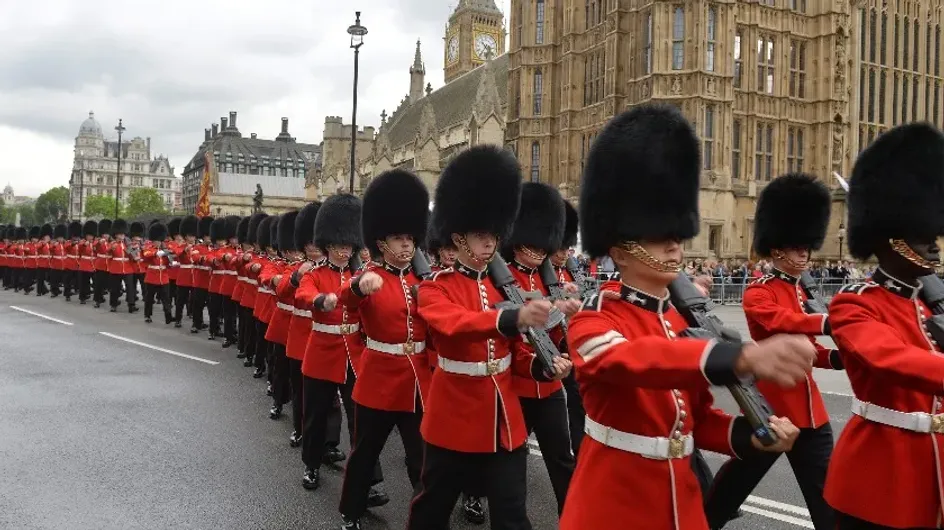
436 274
762 280
857 288
593 302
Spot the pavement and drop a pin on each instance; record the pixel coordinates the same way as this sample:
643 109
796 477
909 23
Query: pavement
108 422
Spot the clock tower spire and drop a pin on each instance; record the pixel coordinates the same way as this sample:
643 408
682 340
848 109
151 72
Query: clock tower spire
474 34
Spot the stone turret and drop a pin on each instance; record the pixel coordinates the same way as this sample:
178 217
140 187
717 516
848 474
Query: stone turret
417 75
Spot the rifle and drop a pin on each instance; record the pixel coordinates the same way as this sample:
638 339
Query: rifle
694 309
354 262
515 298
421 269
550 280
814 303
932 294
588 286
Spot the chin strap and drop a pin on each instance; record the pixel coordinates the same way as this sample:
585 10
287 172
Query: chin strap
904 250
464 247
777 254
635 250
402 256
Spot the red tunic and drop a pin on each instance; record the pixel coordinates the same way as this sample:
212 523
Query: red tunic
300 326
530 280
29 255
57 256
102 254
42 255
265 295
251 280
175 248
184 265
140 267
4 259
120 262
882 474
471 413
335 339
158 272
229 263
240 268
217 269
393 374
774 304
71 261
635 376
87 256
284 304
201 266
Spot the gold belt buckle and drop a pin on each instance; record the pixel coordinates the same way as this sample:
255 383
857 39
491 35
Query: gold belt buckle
491 366
345 329
937 423
409 348
676 448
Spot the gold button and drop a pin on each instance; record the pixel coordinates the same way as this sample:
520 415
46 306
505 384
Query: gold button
667 323
678 434
677 392
681 402
671 334
683 414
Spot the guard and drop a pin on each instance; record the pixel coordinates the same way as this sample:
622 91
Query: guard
252 255
185 270
102 257
120 268
87 260
277 334
157 277
57 259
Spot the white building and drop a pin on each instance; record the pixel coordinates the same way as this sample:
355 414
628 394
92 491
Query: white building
11 199
95 169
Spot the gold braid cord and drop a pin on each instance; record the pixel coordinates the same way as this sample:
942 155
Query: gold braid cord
905 251
532 254
635 250
402 256
464 247
780 255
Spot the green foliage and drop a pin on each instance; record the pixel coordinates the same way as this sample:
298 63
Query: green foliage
26 211
52 206
144 201
101 205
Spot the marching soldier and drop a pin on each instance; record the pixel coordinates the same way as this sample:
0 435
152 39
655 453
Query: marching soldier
199 255
264 295
789 224
442 253
70 275
473 425
394 375
31 260
230 308
21 274
57 259
244 254
87 259
886 468
102 257
137 246
265 298
157 278
185 271
120 268
173 246
42 259
277 333
646 390
219 240
4 256
252 254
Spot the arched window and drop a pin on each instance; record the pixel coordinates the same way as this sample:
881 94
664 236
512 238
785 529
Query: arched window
535 161
678 39
538 91
539 23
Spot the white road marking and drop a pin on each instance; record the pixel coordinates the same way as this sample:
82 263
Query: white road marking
835 393
156 348
40 315
778 517
783 507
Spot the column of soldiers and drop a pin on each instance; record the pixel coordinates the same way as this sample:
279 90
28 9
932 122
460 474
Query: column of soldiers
468 329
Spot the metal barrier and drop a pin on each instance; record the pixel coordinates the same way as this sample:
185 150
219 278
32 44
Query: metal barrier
730 291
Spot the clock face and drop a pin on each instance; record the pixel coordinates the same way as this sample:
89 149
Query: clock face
485 46
452 49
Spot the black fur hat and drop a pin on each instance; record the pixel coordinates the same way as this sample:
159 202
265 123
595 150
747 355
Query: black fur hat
8 232
395 202
157 232
305 225
137 229
173 227
286 231
118 226
22 233
59 230
46 230
188 225
204 227
274 232
35 232
242 230
571 226
541 218
232 221
792 212
252 227
479 191
641 180
264 232
897 189
104 227
217 229
74 230
90 228
339 222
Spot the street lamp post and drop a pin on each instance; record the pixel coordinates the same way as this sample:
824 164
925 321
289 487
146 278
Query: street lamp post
842 236
357 32
120 128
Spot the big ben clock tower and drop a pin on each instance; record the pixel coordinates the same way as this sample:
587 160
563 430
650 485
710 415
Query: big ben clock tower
475 32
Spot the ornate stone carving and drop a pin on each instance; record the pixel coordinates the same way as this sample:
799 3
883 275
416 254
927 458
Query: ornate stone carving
676 85
644 90
710 85
840 66
837 149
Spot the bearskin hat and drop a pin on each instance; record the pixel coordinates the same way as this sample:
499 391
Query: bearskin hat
90 228
286 231
232 222
35 232
541 218
7 232
641 180
188 225
137 229
264 232
217 229
897 189
22 233
479 191
305 225
74 230
242 230
395 202
104 227
60 230
274 232
45 230
339 222
173 227
571 224
204 227
792 212
157 232
252 227
119 226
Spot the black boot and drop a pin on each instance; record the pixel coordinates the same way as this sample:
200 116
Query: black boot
376 498
349 524
311 480
275 412
333 455
473 510
295 439
259 373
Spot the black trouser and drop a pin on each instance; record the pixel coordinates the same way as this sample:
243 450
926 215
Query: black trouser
319 398
7 277
547 419
809 459
295 381
198 301
114 291
215 308
182 299
139 285
702 473
247 332
41 273
372 427
27 276
70 282
85 284
54 277
173 292
262 347
281 381
163 293
847 522
503 474
576 415
230 312
101 279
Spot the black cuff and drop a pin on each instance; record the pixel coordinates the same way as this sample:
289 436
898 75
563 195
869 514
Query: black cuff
319 302
741 435
296 279
537 371
719 361
356 287
835 360
827 329
508 322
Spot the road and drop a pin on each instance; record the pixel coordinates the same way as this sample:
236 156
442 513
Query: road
108 422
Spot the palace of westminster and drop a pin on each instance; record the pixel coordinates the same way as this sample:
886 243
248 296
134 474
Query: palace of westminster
772 86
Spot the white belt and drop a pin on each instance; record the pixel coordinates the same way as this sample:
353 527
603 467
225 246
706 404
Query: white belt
250 281
655 447
301 313
58 257
219 272
910 421
186 265
106 256
338 329
230 273
266 290
156 267
285 307
475 369
119 259
241 278
406 348
87 257
203 267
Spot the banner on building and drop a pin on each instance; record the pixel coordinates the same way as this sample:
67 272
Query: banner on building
203 202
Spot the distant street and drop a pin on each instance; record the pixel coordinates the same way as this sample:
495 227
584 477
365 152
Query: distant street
111 423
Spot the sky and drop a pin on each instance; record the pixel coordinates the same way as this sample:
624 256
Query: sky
168 69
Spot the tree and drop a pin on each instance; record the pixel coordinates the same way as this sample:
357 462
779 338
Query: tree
101 205
144 201
26 211
52 206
